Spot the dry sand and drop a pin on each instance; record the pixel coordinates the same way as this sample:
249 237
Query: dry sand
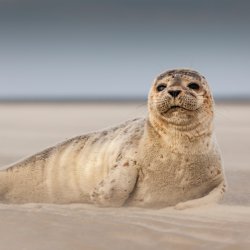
26 129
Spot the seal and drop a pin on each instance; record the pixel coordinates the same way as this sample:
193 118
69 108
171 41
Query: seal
169 158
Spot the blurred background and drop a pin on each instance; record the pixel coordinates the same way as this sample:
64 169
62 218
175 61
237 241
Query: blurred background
113 49
75 66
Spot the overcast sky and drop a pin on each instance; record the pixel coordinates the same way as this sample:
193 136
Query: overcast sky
115 48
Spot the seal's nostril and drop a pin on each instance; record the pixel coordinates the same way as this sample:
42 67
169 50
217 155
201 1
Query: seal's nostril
174 93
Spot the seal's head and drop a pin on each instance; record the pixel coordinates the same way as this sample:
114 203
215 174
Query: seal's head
180 97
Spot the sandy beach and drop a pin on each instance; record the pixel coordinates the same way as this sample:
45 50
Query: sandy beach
28 128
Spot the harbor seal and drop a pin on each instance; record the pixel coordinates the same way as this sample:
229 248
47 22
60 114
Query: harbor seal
169 158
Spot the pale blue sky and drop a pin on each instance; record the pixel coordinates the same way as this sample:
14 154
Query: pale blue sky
68 49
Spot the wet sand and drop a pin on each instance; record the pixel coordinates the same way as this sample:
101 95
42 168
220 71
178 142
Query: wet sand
28 128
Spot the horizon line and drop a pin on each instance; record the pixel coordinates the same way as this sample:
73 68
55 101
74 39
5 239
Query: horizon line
102 99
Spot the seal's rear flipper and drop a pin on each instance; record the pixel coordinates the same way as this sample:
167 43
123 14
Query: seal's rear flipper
3 184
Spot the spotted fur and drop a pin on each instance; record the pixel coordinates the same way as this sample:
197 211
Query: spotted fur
169 158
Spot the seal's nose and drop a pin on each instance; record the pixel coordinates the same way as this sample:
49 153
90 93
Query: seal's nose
174 93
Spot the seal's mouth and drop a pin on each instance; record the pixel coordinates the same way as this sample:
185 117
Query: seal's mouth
176 108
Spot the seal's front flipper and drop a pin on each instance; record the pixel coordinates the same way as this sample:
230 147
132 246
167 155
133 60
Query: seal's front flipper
213 197
114 190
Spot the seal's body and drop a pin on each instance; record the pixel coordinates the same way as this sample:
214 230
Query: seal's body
169 158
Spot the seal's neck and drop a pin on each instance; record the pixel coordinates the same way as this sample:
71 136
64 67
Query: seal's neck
192 138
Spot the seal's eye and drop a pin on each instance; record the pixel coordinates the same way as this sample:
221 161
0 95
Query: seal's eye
161 87
194 86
